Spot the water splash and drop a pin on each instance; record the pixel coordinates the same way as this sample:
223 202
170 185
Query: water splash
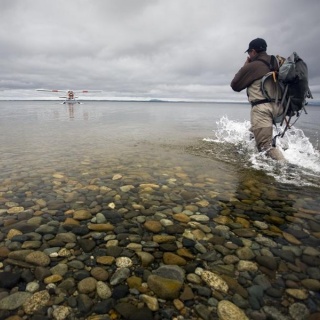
303 160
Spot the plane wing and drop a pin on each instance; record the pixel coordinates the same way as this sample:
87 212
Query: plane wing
77 91
53 90
86 91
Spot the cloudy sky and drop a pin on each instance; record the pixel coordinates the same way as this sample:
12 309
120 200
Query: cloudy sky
187 49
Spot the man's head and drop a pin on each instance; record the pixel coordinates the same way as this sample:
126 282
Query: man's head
258 45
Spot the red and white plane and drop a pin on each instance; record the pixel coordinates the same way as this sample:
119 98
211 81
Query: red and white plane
70 94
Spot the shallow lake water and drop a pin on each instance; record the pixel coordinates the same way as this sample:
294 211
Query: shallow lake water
61 153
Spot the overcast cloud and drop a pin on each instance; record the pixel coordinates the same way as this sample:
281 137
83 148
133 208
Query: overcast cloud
149 48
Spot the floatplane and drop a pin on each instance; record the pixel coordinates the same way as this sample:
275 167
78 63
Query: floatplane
70 97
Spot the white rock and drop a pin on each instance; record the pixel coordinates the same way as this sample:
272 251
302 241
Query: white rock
151 302
200 218
228 311
111 205
61 312
32 287
123 262
261 225
54 255
198 271
126 188
134 246
245 265
214 281
103 290
166 222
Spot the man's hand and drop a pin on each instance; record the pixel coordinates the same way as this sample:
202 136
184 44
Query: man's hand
247 61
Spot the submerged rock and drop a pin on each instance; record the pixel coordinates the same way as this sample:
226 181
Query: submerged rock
164 288
228 311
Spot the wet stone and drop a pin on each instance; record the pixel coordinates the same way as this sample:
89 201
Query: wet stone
145 258
153 226
41 273
60 269
52 279
311 284
299 234
128 311
119 276
102 308
38 258
175 229
299 294
120 291
245 253
14 300
228 311
172 247
274 292
173 259
31 245
245 233
4 252
84 304
213 280
171 272
123 262
82 215
314 226
256 297
164 288
284 254
314 316
268 262
244 265
61 312
114 251
105 260
103 290
310 260
36 302
9 280
14 233
87 245
87 285
311 251
100 274
46 229
235 286
79 230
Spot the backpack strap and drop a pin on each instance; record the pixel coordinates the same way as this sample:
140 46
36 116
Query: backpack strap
271 65
267 99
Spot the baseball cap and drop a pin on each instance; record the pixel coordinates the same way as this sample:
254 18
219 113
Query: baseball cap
257 44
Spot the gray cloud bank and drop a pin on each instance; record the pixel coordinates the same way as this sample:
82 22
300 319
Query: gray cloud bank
149 48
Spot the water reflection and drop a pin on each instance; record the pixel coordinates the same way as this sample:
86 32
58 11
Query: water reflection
66 112
71 110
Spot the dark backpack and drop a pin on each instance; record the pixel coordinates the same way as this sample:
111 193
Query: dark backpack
293 79
292 85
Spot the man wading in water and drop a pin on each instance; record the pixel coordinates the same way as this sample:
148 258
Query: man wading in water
258 64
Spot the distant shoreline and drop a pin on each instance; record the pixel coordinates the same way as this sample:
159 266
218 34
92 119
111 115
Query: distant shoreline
310 103
131 100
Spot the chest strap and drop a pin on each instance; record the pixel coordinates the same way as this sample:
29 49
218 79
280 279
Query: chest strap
255 103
